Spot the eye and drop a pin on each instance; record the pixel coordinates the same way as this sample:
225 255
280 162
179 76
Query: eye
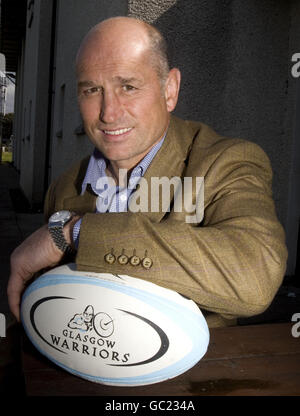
128 88
91 91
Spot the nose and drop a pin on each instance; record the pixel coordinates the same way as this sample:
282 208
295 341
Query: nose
111 108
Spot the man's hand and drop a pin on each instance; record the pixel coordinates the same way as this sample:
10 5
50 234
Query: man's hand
37 252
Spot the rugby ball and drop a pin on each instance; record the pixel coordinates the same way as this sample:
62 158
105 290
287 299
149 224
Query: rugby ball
113 329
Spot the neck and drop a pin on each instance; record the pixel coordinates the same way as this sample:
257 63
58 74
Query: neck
119 174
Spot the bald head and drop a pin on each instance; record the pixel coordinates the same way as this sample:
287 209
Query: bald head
126 35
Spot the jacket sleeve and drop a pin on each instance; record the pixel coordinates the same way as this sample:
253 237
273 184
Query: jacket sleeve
232 263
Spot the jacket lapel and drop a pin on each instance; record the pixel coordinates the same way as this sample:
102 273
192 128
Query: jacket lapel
169 162
82 204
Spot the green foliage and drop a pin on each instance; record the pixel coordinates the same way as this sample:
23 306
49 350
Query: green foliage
7 125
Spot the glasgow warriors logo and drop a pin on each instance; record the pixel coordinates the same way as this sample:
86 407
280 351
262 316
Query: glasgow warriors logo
102 323
94 334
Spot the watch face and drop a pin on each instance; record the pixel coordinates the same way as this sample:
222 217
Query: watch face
60 216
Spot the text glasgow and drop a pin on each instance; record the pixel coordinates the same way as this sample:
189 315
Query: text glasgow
79 343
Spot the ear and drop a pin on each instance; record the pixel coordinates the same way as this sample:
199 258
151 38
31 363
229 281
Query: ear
172 86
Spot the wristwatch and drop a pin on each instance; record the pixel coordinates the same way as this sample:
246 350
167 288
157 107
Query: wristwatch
56 223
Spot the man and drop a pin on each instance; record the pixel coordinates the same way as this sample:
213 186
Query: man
232 261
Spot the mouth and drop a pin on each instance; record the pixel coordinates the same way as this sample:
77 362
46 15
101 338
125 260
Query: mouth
117 132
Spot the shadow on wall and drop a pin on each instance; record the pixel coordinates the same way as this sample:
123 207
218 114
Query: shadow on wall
199 36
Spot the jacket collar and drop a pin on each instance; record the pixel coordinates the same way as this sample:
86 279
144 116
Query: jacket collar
169 162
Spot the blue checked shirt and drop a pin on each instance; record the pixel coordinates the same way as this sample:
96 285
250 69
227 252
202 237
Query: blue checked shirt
111 198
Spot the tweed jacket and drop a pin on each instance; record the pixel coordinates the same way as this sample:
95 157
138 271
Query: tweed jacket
231 262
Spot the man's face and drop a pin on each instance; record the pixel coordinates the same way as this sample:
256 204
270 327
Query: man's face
122 101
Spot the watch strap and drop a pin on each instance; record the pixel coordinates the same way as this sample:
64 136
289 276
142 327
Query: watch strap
59 239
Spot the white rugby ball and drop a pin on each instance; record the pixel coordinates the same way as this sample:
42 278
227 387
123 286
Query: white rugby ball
113 329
